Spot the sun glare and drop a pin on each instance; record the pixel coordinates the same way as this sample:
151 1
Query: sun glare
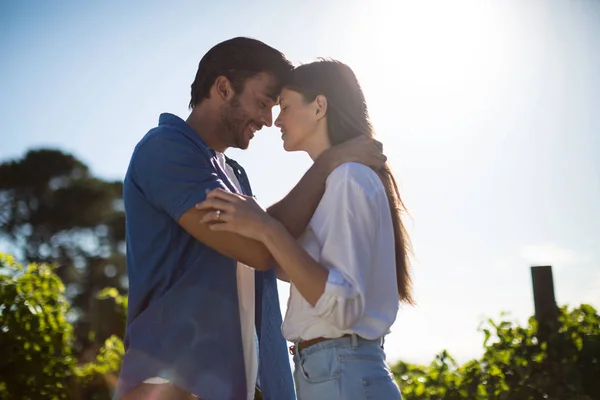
433 59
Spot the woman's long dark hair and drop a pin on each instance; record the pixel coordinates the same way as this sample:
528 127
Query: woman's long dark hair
348 117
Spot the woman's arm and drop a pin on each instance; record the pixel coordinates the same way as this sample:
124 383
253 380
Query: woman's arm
295 210
308 276
335 284
280 273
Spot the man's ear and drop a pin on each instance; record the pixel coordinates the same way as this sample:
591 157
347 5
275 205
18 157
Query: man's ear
321 110
223 88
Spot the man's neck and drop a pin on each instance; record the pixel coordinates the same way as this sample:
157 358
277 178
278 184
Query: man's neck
205 122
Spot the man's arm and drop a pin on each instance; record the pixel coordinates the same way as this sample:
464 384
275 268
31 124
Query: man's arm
248 251
295 210
174 175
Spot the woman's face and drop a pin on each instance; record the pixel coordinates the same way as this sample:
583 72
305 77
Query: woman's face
297 120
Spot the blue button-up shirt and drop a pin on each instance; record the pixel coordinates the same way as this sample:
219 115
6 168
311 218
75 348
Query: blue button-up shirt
183 317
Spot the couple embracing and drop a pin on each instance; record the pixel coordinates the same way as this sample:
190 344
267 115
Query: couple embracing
203 257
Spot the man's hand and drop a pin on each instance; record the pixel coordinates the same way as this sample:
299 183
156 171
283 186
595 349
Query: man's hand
361 149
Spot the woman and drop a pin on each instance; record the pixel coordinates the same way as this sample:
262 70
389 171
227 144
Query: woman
350 267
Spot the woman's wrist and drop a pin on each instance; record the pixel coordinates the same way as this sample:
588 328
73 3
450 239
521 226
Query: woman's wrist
329 160
272 230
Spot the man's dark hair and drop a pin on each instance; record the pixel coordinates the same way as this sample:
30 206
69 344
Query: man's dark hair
237 59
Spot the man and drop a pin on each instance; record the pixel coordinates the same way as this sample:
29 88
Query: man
203 317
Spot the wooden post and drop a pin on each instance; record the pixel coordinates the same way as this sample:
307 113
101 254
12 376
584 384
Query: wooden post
546 311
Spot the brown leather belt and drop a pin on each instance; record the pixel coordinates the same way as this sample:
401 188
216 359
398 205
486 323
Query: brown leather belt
307 343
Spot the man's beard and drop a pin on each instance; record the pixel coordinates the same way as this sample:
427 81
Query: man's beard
234 119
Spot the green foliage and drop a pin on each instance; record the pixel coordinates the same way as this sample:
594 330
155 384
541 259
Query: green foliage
517 364
106 363
35 335
112 293
39 360
440 380
53 210
36 338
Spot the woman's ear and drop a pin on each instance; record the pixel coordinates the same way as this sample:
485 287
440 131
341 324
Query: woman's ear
321 109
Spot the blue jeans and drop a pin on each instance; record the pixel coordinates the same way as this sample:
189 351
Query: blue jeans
348 368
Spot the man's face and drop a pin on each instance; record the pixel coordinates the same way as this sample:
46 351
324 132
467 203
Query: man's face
248 111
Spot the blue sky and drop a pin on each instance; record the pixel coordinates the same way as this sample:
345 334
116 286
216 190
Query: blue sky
487 111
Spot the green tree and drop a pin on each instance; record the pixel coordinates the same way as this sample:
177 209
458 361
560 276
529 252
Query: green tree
517 364
36 338
52 210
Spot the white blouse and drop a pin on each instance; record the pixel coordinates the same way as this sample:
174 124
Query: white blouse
351 234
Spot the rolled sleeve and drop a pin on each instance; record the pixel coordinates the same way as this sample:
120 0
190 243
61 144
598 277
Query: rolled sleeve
174 173
347 235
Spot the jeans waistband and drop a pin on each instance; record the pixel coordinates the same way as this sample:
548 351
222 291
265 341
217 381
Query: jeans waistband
352 339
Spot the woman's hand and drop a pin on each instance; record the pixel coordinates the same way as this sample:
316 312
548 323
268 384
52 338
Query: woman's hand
236 213
241 214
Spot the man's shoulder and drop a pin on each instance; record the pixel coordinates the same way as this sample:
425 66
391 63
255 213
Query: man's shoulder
161 135
166 141
166 152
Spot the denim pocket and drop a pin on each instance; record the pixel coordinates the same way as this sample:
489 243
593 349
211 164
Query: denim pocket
381 388
319 366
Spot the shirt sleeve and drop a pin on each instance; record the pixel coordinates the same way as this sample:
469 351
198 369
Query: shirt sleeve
347 245
174 173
